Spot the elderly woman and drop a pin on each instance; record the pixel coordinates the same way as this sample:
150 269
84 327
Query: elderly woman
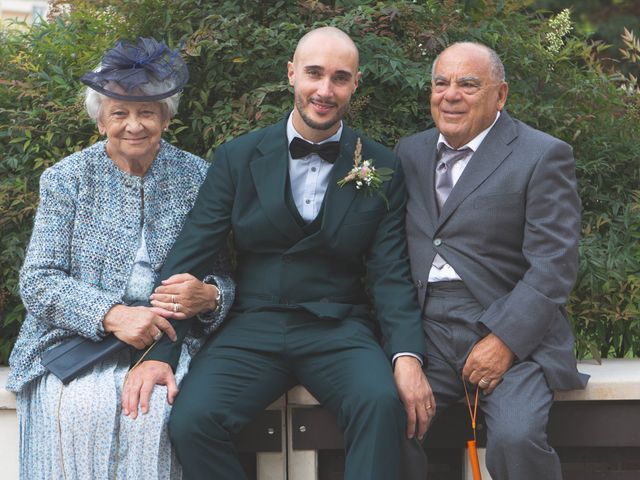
108 216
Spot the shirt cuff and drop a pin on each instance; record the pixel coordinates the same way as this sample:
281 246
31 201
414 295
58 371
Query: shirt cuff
406 354
212 319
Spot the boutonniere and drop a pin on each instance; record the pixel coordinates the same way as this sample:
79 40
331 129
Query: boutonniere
366 176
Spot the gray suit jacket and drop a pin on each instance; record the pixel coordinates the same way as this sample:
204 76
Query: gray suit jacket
510 229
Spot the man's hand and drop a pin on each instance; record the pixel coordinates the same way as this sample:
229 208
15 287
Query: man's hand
140 382
488 361
416 395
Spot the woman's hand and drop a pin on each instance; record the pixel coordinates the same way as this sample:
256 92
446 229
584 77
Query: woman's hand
137 326
182 296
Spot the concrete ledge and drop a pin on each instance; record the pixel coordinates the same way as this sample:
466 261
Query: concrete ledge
7 399
613 379
615 382
613 391
8 429
299 395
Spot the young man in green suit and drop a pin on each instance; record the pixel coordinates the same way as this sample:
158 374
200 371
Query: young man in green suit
301 313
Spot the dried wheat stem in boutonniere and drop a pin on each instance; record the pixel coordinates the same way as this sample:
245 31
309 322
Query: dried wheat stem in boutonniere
366 176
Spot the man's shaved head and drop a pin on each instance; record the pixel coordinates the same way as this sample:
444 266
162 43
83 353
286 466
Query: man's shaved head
321 33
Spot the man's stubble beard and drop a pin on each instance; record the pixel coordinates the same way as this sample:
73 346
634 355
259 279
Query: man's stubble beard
340 113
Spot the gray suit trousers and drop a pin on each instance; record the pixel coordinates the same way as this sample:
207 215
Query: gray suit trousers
516 413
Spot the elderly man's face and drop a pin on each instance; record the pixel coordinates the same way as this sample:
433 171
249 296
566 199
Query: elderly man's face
133 129
324 75
465 98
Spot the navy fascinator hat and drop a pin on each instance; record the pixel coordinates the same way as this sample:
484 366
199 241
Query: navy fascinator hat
145 72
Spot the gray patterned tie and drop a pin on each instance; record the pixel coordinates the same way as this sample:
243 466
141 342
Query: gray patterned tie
444 181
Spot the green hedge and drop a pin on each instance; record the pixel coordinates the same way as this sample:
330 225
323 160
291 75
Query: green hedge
237 53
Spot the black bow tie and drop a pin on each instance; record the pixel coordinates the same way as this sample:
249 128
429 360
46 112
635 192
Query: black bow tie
300 148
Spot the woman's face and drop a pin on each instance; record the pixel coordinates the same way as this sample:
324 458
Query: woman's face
133 130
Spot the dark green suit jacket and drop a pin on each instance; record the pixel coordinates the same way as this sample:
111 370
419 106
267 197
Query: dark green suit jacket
278 266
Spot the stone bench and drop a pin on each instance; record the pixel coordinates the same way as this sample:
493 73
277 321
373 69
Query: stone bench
296 439
8 429
593 430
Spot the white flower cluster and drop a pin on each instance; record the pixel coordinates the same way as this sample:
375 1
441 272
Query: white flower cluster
363 174
560 25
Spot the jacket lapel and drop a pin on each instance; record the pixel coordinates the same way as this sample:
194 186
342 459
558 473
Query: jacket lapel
492 152
337 200
270 173
426 170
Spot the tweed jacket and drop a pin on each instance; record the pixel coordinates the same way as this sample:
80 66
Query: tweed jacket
84 242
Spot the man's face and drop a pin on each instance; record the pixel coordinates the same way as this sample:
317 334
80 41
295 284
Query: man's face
324 74
465 98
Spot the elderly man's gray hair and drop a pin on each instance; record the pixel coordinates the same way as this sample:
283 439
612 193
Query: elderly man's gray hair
497 68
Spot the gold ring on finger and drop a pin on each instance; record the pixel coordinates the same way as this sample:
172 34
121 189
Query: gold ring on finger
176 307
157 336
484 381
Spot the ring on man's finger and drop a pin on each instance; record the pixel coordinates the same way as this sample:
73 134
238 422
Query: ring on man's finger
176 307
157 336
484 381
173 299
428 406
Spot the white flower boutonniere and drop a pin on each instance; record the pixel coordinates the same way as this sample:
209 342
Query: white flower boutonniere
366 176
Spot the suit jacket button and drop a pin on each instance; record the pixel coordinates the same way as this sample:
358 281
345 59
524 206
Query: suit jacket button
437 242
419 284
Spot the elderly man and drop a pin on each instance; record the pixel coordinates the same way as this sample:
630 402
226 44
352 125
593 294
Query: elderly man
493 221
307 229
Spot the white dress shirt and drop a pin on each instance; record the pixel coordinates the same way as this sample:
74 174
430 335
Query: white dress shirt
309 176
447 273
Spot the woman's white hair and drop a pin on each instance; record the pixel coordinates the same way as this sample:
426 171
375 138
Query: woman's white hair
93 100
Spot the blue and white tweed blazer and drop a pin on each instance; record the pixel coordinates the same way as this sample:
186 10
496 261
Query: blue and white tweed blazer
84 242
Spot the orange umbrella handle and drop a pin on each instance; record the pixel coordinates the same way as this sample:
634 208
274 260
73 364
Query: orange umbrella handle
473 457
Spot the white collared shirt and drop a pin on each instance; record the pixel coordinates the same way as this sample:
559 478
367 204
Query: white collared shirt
309 176
447 273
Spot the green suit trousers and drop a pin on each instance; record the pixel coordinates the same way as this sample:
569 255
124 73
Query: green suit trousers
258 356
